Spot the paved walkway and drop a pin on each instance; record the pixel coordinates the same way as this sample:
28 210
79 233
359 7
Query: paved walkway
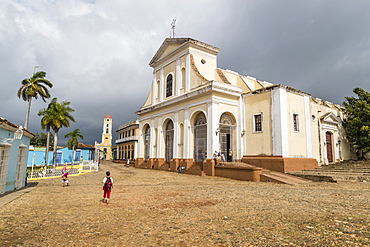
8 197
11 195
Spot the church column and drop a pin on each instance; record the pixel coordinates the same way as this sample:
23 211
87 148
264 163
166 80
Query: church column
187 71
159 138
279 122
178 77
187 130
154 88
176 135
151 141
213 129
161 83
135 150
307 119
140 146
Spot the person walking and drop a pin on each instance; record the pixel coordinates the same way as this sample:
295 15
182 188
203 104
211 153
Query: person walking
64 169
107 187
65 179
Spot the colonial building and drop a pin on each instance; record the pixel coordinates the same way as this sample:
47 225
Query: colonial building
83 153
14 145
106 139
194 109
127 140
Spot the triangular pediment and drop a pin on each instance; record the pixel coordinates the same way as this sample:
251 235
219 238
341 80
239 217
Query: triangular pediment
171 45
330 118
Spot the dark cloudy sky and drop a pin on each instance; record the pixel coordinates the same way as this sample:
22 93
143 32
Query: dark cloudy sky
96 53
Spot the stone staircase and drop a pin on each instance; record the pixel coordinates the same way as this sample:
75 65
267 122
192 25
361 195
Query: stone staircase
348 171
281 178
266 175
195 169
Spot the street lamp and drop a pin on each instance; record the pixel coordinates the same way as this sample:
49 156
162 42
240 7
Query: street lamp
17 135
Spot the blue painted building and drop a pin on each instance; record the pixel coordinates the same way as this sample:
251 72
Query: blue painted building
83 153
14 146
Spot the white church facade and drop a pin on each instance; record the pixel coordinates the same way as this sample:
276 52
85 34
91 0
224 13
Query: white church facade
194 109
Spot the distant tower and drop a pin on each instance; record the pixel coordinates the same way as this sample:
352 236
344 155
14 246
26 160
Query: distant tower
106 138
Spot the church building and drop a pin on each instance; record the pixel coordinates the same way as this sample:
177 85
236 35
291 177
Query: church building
105 147
195 109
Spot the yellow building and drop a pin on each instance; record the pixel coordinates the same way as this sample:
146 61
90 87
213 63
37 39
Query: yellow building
105 146
194 109
127 140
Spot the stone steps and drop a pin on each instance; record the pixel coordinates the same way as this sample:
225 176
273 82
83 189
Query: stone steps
349 172
283 178
195 170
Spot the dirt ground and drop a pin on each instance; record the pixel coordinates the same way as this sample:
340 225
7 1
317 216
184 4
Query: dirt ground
158 208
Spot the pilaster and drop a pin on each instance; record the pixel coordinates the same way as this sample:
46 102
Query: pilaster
279 122
213 129
307 118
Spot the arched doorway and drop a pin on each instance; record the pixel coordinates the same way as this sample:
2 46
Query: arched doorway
329 146
200 138
169 141
146 142
227 137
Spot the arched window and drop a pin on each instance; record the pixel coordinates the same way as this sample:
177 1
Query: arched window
183 78
146 142
169 141
200 138
158 89
169 86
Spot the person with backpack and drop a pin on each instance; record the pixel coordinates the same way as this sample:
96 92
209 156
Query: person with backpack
107 187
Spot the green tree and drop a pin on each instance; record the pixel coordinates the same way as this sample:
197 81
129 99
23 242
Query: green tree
47 121
72 143
40 139
33 87
44 138
35 141
357 121
57 115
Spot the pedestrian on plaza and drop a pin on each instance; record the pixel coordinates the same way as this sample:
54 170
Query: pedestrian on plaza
107 187
64 169
65 179
216 157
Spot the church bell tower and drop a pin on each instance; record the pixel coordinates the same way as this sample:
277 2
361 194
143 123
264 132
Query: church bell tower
106 140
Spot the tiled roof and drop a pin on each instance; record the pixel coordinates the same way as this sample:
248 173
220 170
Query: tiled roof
83 145
13 127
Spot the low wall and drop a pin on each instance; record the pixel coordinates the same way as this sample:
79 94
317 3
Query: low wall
208 168
239 173
141 163
158 162
280 164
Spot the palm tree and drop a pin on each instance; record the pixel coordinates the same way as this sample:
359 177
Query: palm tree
58 116
32 88
46 123
72 143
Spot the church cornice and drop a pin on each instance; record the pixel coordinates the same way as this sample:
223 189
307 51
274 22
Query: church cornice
275 86
210 87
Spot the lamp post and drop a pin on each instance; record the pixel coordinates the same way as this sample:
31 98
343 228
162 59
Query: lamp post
17 135
33 163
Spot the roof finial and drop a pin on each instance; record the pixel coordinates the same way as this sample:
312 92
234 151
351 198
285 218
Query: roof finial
173 24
